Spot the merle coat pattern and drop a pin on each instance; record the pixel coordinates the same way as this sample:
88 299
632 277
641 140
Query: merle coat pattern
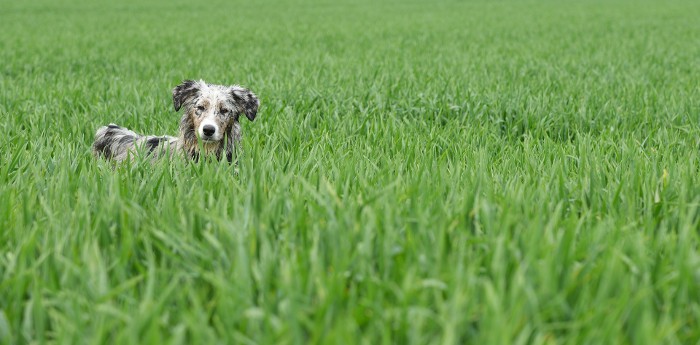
209 125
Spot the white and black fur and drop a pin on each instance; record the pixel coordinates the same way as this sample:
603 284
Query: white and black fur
209 125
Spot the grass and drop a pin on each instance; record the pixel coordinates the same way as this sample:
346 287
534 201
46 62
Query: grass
449 172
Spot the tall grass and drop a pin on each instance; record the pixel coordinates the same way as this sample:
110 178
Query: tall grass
447 172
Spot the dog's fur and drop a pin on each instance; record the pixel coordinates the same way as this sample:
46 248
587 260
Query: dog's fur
209 125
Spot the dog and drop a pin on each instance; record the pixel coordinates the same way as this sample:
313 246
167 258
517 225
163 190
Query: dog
209 125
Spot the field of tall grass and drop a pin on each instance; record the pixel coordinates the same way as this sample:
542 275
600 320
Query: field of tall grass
447 172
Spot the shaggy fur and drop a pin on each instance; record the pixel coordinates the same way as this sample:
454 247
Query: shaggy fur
209 125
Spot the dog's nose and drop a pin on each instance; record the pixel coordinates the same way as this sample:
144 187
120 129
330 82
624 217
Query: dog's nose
208 130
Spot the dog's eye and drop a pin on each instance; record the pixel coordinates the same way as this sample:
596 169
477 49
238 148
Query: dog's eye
224 111
200 108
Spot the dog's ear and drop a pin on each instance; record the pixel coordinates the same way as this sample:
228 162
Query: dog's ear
183 92
246 101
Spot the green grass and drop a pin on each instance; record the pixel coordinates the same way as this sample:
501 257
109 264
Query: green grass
419 173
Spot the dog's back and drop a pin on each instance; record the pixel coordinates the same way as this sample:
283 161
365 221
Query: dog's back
118 143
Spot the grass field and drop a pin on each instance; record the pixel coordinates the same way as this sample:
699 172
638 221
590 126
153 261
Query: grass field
509 172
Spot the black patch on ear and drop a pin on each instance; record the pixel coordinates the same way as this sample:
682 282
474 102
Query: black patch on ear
182 92
246 101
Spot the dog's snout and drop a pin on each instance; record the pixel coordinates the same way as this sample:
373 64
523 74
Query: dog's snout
208 130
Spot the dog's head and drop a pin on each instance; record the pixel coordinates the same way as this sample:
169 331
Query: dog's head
212 110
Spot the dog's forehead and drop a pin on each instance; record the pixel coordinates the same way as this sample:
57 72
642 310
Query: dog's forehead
215 93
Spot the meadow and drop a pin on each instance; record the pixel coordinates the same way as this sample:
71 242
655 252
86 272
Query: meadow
447 172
